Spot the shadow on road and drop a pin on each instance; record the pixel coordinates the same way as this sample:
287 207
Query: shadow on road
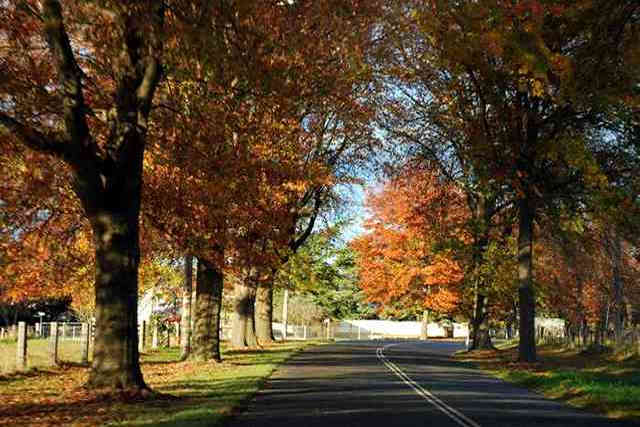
345 384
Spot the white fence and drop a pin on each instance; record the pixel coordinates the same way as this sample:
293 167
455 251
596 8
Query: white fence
298 332
378 329
67 331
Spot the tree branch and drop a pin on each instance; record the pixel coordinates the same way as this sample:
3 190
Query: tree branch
296 243
32 138
70 76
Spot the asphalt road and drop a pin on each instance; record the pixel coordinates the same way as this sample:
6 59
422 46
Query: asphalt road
401 383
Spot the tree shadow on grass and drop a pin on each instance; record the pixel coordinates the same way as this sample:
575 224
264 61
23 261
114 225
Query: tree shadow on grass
31 373
97 409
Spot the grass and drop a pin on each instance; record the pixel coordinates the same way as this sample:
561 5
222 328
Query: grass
38 353
608 384
193 393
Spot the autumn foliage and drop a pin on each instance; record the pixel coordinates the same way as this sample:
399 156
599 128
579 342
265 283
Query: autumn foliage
407 256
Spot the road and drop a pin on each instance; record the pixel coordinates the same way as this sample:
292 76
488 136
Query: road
401 383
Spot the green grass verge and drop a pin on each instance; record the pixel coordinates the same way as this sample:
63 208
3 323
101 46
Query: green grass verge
602 383
208 395
191 393
611 394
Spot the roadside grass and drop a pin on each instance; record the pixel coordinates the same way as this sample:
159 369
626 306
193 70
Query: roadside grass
190 393
38 353
604 383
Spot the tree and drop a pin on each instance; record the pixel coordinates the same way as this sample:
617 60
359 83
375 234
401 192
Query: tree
45 107
408 257
324 272
506 71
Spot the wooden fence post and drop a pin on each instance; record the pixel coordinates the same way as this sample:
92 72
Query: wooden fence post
53 343
21 350
86 337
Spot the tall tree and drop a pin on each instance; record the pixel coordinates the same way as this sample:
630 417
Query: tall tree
521 71
408 258
56 65
206 336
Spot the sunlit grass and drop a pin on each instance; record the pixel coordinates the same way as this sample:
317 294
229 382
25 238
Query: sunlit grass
38 353
190 393
603 383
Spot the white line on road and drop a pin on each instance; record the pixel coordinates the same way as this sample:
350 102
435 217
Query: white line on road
453 413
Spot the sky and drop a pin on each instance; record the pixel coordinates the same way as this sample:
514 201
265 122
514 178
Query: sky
355 211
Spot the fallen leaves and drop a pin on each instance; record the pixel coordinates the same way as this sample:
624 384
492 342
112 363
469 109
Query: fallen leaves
56 397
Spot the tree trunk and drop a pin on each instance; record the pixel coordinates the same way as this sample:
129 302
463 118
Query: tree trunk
285 314
206 336
115 353
628 307
240 316
185 319
107 177
618 303
424 325
527 344
4 313
264 312
480 338
251 339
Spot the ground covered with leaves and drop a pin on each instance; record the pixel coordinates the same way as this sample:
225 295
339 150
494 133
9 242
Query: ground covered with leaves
190 393
605 383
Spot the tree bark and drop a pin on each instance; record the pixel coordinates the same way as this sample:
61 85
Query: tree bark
115 353
480 338
250 337
107 179
527 344
240 316
185 319
618 303
264 312
206 336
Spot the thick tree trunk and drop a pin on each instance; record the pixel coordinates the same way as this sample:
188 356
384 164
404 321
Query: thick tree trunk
206 336
584 332
480 338
527 344
6 316
107 177
115 353
185 319
112 205
251 339
241 312
264 312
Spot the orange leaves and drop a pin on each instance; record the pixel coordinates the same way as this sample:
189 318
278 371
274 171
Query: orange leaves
403 257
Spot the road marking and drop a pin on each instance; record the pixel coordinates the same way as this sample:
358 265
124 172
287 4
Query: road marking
453 413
